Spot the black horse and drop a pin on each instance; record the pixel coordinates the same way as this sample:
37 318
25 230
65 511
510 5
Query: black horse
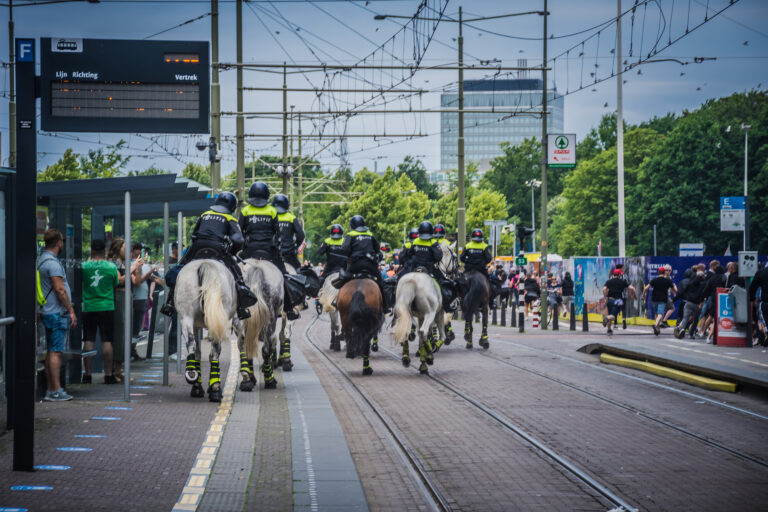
475 295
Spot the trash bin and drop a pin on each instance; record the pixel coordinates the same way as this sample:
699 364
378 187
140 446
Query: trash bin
728 332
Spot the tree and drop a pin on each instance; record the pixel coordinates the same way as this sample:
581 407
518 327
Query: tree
66 168
485 205
199 173
416 171
101 164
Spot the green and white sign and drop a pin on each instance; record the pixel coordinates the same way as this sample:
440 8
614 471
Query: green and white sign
561 149
521 261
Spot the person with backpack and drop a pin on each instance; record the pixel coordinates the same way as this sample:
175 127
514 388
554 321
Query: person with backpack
691 291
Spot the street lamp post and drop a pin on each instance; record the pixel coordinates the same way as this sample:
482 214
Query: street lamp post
533 184
746 128
461 210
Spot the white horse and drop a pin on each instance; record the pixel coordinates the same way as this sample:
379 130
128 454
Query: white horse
327 298
286 329
418 299
266 282
205 297
449 264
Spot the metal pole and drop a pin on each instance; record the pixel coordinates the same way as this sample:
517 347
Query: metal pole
461 211
533 220
620 134
654 240
239 121
301 180
128 304
285 131
167 320
746 189
290 156
215 93
12 91
544 248
180 234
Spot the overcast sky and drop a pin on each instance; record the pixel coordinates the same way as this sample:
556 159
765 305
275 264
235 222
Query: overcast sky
344 32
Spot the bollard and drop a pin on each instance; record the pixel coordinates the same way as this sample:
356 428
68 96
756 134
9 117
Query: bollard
504 313
535 316
573 316
556 318
513 318
584 319
494 317
521 321
152 319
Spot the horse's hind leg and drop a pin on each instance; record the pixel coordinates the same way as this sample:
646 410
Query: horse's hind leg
335 336
468 329
284 359
214 381
406 355
192 372
246 366
439 329
449 334
484 336
267 352
423 369
367 370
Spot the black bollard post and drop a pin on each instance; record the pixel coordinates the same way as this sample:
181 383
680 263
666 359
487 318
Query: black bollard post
584 319
513 318
521 321
504 313
573 316
556 318
494 317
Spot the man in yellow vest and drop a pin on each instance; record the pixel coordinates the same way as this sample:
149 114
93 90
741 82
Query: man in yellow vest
426 253
476 256
290 232
335 259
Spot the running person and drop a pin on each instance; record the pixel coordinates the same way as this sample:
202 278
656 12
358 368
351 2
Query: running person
613 290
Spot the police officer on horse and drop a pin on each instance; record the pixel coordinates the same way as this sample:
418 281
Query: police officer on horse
290 231
335 258
476 256
218 236
425 253
363 255
404 262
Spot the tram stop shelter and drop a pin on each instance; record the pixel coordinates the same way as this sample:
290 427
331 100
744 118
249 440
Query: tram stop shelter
120 200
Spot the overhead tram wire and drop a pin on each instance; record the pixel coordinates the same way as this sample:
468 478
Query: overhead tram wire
202 16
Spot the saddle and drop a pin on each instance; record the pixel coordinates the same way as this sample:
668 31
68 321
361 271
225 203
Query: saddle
345 276
207 253
312 283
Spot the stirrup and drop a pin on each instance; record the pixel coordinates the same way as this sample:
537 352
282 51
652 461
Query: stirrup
167 309
291 314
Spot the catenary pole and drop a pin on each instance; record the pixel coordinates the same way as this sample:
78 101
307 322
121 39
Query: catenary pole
239 126
746 187
620 133
12 90
285 132
544 221
461 211
215 94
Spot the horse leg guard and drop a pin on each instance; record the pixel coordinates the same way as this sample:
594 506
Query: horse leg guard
367 370
484 339
406 357
285 356
192 370
375 344
335 342
412 334
423 369
438 344
246 371
214 382
270 382
449 334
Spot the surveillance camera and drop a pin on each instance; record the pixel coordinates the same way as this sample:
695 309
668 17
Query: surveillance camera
201 145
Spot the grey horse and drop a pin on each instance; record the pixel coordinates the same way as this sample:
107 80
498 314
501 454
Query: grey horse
266 281
327 298
205 297
419 300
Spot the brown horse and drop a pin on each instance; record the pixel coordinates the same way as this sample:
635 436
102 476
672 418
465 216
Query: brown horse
475 296
360 308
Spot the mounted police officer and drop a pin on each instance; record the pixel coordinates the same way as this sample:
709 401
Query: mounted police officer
425 253
363 255
476 256
217 235
290 231
439 234
335 258
404 262
259 222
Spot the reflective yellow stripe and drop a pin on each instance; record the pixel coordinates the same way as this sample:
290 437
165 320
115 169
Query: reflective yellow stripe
249 209
334 241
225 215
286 217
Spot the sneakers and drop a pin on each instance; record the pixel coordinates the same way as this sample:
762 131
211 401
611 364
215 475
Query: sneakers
86 379
110 379
57 396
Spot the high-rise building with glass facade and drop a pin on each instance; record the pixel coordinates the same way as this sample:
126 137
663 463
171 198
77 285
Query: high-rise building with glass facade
484 132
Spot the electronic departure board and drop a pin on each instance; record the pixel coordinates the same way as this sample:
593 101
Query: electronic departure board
109 85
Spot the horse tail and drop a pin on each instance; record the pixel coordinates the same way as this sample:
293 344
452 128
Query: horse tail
258 322
363 323
216 319
403 313
471 301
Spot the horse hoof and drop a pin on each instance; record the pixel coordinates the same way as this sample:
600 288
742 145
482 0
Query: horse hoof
191 376
450 337
197 391
374 347
429 360
468 336
411 336
368 371
214 394
287 365
249 384
406 361
270 384
469 345
423 369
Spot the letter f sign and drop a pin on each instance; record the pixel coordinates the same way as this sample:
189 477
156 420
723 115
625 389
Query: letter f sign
25 50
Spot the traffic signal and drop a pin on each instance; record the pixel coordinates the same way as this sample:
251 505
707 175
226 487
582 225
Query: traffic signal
523 233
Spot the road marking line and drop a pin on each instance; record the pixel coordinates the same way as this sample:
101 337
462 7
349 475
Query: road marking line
193 490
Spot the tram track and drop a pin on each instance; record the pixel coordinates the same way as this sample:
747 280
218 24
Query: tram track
429 489
633 410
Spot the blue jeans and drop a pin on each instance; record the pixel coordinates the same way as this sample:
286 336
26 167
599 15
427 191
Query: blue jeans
56 329
659 308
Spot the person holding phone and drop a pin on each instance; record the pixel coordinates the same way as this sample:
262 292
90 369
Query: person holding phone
140 277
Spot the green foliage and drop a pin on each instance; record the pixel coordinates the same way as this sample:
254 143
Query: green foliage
97 164
416 171
198 173
485 205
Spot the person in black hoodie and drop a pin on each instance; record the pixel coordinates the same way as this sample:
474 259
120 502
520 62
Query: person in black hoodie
691 291
567 291
710 294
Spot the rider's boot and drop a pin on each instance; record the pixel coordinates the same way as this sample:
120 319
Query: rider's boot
168 308
245 299
384 302
288 306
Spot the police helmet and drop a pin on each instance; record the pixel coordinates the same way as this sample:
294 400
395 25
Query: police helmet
413 234
337 231
440 231
226 202
258 195
426 230
281 203
477 235
357 222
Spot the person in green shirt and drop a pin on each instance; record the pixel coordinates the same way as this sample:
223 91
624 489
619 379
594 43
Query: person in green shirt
100 278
